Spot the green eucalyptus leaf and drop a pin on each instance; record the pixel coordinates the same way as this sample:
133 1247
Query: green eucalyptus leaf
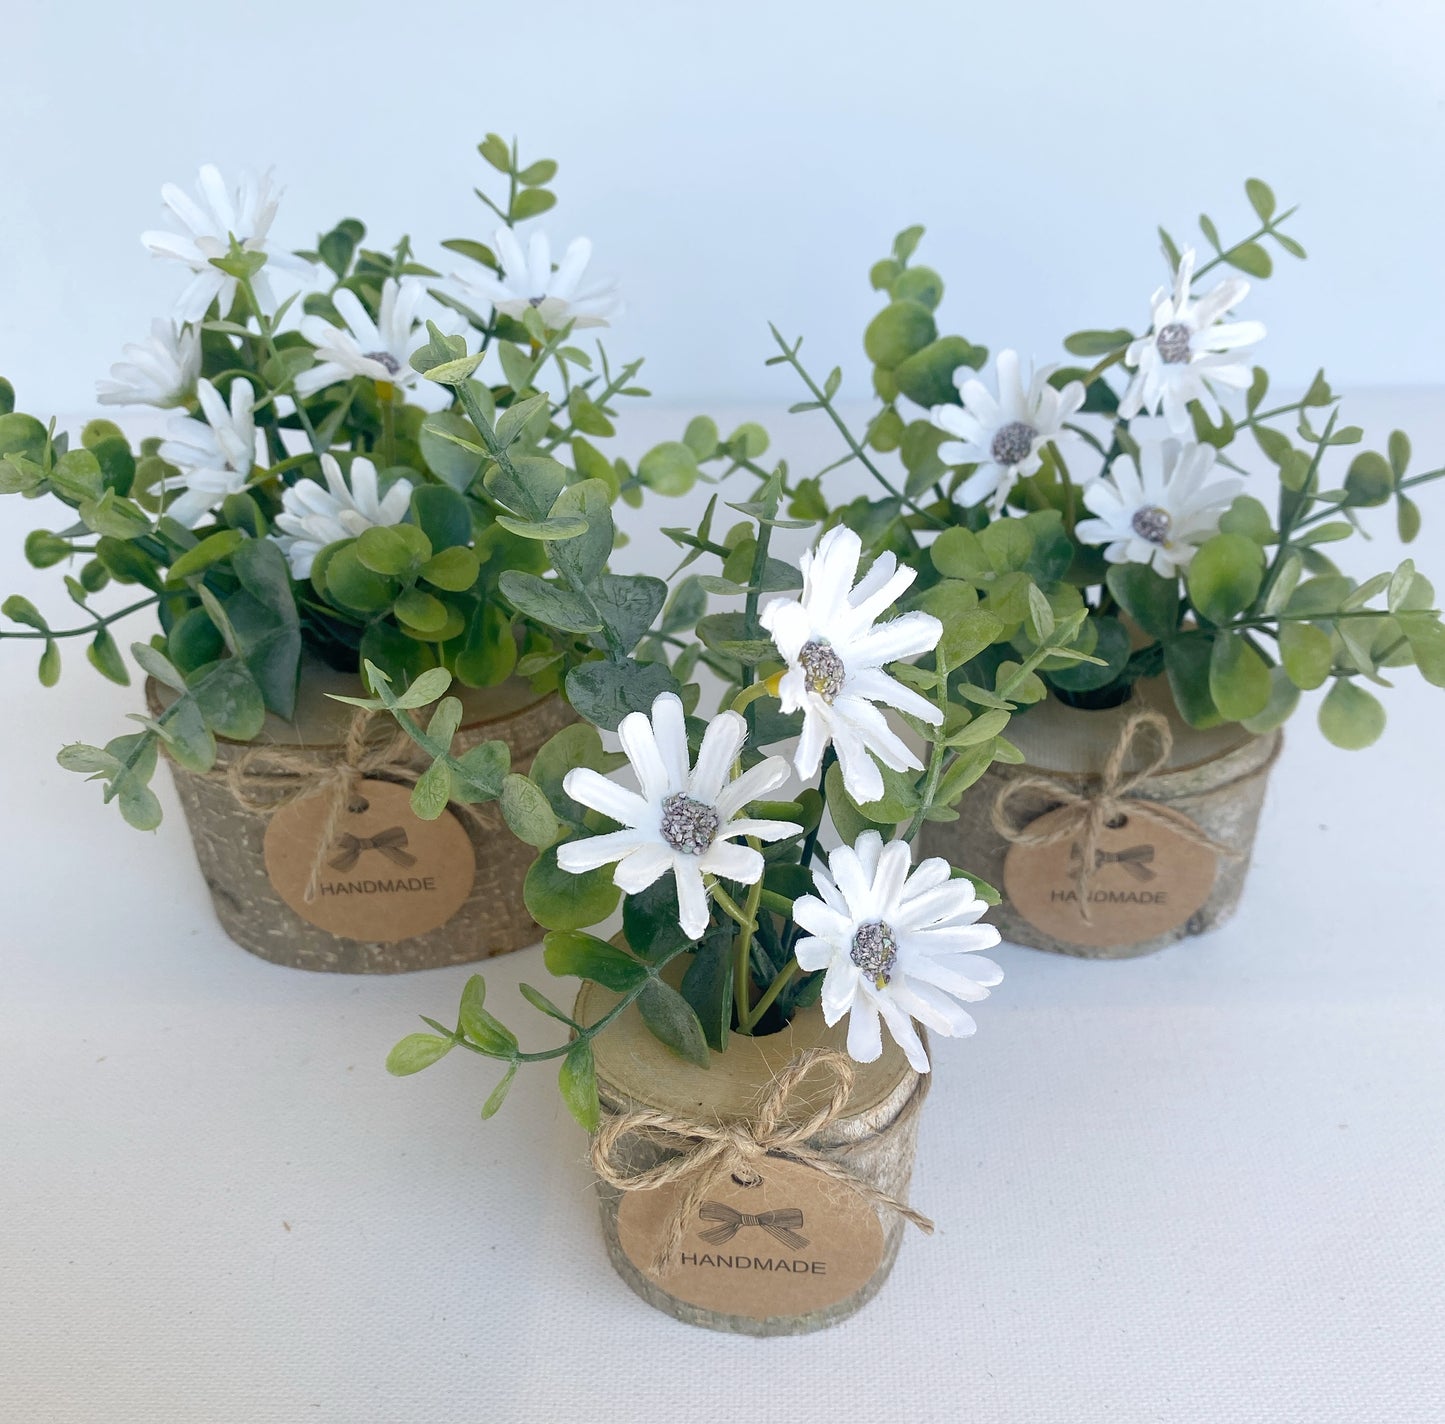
432 792
415 1052
577 1080
559 900
1239 680
498 1095
1283 699
585 956
1306 653
528 813
673 1021
1350 717
899 330
1187 662
548 603
605 692
1224 576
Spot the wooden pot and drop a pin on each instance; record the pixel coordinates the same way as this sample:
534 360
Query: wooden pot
231 838
751 1282
1216 778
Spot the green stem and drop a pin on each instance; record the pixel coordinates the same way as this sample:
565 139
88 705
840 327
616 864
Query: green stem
268 336
386 397
80 632
755 582
585 1032
1112 359
1287 526
936 753
780 982
1255 236
825 403
498 452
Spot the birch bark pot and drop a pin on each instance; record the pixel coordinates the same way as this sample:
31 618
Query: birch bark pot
848 1244
1215 777
229 837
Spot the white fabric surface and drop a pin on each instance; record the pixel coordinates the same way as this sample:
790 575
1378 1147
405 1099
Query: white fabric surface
1203 1187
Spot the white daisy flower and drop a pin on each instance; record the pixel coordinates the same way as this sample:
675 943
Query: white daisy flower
210 220
380 350
1003 434
685 817
835 657
160 371
313 516
215 455
1160 514
529 281
1189 350
893 945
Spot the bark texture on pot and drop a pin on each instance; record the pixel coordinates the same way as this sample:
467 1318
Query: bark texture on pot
794 1251
230 837
1217 778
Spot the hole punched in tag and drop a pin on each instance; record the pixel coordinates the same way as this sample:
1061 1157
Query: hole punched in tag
753 1181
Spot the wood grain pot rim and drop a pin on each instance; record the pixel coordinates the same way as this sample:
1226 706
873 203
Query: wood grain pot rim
636 1070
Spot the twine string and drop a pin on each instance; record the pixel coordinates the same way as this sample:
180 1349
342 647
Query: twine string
265 778
707 1152
1089 813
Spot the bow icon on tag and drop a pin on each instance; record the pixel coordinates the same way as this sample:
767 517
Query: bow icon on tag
780 1225
391 843
1136 860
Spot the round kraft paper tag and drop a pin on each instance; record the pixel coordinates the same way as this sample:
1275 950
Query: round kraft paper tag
790 1244
1147 879
386 876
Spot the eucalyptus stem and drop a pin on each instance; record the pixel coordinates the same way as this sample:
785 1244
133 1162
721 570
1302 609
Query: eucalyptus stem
1112 359
101 622
825 403
386 397
936 754
498 452
755 582
268 336
1265 231
1288 526
585 1032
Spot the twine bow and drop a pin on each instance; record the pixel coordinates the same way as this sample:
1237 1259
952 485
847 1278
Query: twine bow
1089 813
264 778
390 842
709 1152
782 1225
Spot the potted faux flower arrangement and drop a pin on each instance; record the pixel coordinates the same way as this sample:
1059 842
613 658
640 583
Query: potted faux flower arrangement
1116 494
327 492
753 1124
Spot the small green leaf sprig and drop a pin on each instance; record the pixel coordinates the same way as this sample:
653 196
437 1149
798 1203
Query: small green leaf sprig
485 554
1248 613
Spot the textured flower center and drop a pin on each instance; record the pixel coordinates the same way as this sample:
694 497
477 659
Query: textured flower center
823 669
1013 443
385 358
689 826
875 951
1153 524
1173 343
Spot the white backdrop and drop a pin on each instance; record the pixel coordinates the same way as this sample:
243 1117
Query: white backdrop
744 162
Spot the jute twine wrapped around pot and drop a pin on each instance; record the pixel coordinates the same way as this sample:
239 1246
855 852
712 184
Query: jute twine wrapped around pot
764 1195
1124 830
315 766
